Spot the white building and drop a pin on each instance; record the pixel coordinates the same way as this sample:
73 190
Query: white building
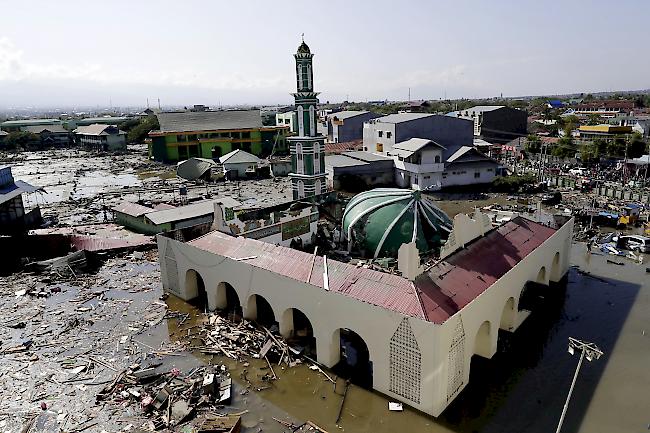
418 164
240 162
415 334
287 118
467 166
101 137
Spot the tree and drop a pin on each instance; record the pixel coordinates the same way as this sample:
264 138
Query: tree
20 139
139 132
636 147
589 151
565 148
593 119
533 144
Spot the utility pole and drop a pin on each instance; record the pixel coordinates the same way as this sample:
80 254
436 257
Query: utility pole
590 351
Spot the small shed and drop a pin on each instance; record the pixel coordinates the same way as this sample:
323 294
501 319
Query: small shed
239 162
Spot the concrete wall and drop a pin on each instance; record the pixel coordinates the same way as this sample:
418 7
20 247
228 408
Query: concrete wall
499 304
444 350
350 129
450 132
465 173
503 125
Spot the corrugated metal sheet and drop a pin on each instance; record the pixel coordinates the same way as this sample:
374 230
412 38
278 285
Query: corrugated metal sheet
455 282
132 209
92 243
378 288
435 296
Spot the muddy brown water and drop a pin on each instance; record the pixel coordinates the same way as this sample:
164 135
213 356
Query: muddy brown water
524 386
522 389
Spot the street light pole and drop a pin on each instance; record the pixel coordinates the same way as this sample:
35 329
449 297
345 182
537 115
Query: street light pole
589 350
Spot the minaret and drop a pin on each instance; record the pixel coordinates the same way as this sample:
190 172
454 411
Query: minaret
307 146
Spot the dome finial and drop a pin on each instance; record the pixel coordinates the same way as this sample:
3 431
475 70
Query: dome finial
303 48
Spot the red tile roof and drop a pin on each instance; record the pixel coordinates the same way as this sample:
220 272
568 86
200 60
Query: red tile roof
434 296
335 148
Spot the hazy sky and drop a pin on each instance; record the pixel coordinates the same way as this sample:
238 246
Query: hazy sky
61 53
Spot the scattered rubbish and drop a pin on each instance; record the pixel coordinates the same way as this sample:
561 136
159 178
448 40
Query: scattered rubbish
395 407
220 424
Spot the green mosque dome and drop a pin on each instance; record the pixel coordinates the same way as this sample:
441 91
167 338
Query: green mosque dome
379 221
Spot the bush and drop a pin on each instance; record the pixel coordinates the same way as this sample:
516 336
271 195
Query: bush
512 183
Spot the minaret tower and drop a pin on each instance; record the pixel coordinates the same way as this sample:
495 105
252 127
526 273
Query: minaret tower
307 146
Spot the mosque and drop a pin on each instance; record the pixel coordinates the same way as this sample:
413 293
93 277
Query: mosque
410 333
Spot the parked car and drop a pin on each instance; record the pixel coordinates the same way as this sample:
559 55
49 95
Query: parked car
580 171
634 243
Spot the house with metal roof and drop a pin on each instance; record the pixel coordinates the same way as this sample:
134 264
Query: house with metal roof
413 331
239 163
212 134
17 215
49 135
418 164
101 137
469 166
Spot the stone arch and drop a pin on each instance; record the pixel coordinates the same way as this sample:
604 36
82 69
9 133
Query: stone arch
541 275
195 289
508 315
296 327
556 271
354 359
259 310
483 340
228 299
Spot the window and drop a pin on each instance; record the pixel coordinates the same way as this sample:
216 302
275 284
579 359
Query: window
380 147
489 169
477 174
437 159
389 134
380 133
246 134
181 138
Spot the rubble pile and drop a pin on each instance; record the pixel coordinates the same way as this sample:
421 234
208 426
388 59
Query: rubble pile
171 398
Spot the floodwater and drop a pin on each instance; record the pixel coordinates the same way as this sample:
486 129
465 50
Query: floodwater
524 386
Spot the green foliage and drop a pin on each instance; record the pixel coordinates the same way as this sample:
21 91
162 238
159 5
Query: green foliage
20 139
512 183
565 148
593 119
137 133
533 144
128 124
616 147
589 151
637 146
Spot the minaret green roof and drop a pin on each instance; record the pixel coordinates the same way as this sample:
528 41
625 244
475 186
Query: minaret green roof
304 48
379 221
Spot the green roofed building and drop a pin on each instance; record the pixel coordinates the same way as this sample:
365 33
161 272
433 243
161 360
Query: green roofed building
212 134
379 221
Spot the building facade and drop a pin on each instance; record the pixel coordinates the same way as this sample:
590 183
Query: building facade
50 135
381 134
418 330
495 124
418 164
101 137
346 126
308 146
212 134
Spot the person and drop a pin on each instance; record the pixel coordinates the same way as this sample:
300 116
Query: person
589 245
